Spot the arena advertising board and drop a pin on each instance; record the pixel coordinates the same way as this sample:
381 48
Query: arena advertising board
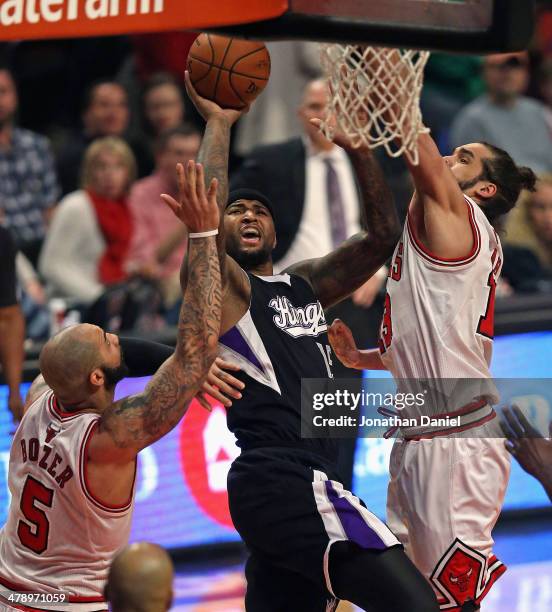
27 19
181 497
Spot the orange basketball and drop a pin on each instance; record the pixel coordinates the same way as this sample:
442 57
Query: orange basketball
229 71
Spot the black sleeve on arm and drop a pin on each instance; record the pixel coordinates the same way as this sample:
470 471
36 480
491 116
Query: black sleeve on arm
8 251
144 357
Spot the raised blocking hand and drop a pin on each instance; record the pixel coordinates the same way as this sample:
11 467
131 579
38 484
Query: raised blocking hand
195 207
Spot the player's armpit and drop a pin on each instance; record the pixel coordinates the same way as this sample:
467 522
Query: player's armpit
443 234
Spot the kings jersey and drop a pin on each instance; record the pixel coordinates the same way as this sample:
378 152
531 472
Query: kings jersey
281 339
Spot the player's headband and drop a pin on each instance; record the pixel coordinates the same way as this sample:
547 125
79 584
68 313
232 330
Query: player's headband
249 194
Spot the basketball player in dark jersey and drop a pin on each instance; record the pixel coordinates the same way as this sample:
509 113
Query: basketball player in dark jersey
311 541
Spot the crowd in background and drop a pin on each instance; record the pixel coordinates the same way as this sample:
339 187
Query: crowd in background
91 130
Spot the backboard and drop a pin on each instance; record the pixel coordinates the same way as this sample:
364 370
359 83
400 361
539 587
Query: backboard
467 26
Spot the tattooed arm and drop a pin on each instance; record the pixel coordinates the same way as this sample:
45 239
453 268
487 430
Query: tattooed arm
137 421
338 274
213 154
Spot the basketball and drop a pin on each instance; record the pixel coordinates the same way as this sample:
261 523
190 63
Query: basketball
229 71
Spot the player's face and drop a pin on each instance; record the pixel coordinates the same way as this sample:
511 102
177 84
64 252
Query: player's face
466 162
8 97
108 113
164 107
110 176
113 362
250 233
540 211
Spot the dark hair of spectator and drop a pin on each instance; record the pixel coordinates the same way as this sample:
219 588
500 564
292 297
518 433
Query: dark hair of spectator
510 181
157 80
91 89
185 129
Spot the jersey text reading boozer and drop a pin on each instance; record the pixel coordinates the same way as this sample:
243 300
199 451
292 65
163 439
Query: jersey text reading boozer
53 516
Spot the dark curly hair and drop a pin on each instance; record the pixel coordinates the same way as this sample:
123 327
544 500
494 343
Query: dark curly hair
510 181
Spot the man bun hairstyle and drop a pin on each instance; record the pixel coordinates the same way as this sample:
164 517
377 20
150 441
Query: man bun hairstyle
510 181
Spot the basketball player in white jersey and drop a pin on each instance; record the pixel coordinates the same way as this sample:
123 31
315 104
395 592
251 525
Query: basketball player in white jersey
73 458
447 483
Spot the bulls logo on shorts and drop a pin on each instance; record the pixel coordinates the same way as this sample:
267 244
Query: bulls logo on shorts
464 574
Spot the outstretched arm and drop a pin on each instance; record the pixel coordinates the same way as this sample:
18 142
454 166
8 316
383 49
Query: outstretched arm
213 154
438 211
137 421
338 274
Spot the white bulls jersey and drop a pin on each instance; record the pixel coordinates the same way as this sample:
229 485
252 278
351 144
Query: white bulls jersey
58 538
438 321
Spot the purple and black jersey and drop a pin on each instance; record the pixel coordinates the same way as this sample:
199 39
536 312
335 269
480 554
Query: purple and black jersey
281 339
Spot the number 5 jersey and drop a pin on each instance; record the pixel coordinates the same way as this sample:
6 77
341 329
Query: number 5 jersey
58 538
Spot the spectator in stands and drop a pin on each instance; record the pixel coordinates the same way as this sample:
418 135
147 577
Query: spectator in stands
273 118
545 82
140 580
505 118
105 113
33 299
12 326
532 451
28 182
90 234
158 245
529 224
450 82
163 104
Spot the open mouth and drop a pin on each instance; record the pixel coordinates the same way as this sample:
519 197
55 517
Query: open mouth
250 236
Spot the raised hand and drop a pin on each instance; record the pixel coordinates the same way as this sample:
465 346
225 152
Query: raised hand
195 207
343 344
207 108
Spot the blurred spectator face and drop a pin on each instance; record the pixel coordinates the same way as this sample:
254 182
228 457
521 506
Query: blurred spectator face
506 75
8 98
107 114
539 209
109 168
164 107
178 149
313 106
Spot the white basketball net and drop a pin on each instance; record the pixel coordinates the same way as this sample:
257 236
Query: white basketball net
375 96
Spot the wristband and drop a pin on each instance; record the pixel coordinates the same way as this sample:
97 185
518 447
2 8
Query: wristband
203 234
